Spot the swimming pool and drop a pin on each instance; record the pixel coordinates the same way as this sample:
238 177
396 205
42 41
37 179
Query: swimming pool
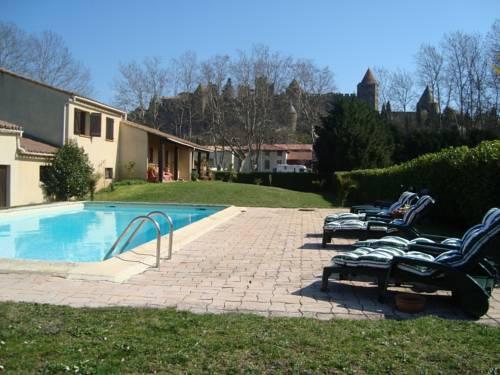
85 232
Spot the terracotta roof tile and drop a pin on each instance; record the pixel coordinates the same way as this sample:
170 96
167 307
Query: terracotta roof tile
300 155
296 146
31 145
9 126
369 78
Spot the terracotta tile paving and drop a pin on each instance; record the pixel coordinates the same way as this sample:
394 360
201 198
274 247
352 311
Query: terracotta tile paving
265 261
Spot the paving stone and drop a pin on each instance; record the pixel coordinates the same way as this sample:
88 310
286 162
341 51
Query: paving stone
268 261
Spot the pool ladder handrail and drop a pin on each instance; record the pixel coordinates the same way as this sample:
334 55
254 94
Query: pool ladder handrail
143 219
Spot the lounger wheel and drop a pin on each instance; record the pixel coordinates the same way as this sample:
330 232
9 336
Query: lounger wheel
326 239
327 271
473 304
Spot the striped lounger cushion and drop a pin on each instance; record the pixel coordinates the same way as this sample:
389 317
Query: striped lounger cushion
376 258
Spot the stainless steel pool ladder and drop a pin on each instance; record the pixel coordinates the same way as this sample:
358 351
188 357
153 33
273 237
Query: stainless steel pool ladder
143 219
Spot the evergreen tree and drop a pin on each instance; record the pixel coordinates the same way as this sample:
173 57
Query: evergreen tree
70 174
352 136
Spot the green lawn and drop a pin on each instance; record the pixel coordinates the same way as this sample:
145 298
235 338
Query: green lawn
217 192
51 339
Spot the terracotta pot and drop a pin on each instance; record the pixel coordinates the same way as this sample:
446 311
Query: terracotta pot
410 303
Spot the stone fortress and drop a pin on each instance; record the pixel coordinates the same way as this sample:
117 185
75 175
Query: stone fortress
287 107
426 111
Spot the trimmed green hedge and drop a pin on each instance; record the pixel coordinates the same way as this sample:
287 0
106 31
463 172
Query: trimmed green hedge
292 181
464 181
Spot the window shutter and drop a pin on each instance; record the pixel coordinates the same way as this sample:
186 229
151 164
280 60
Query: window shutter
76 122
110 125
95 124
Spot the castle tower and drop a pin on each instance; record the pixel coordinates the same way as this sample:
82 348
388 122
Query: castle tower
292 117
427 107
228 91
368 90
293 90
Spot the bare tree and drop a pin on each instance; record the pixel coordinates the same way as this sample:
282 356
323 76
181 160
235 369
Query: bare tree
313 82
43 57
430 63
139 89
455 46
214 72
186 72
13 51
156 84
273 65
493 47
130 90
51 62
384 81
257 73
402 89
186 76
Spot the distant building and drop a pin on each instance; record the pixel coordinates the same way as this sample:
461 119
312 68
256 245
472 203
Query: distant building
368 90
270 157
426 113
36 119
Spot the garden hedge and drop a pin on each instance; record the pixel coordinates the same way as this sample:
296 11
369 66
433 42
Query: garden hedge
292 181
464 181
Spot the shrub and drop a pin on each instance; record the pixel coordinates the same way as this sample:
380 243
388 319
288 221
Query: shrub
130 182
69 174
292 181
194 175
464 181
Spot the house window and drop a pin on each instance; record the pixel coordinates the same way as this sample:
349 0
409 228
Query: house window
80 123
95 124
108 173
266 153
43 173
278 161
279 153
267 165
110 127
150 157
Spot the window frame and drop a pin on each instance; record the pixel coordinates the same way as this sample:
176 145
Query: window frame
95 124
110 121
107 173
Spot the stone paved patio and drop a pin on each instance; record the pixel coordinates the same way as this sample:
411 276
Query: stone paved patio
265 261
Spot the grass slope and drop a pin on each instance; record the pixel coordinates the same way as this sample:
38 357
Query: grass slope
52 339
217 192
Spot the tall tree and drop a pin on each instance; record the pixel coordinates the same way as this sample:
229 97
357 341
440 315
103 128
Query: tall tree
430 63
139 89
455 46
384 82
313 82
13 51
402 89
186 77
43 57
493 43
352 136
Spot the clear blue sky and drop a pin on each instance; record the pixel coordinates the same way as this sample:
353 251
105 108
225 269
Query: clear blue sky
348 36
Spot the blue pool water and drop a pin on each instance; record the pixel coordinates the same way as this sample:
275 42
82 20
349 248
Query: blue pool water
84 233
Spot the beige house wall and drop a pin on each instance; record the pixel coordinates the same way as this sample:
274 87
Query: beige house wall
102 153
132 147
23 182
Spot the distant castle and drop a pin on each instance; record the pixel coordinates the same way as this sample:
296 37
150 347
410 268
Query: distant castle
368 90
427 109
287 111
